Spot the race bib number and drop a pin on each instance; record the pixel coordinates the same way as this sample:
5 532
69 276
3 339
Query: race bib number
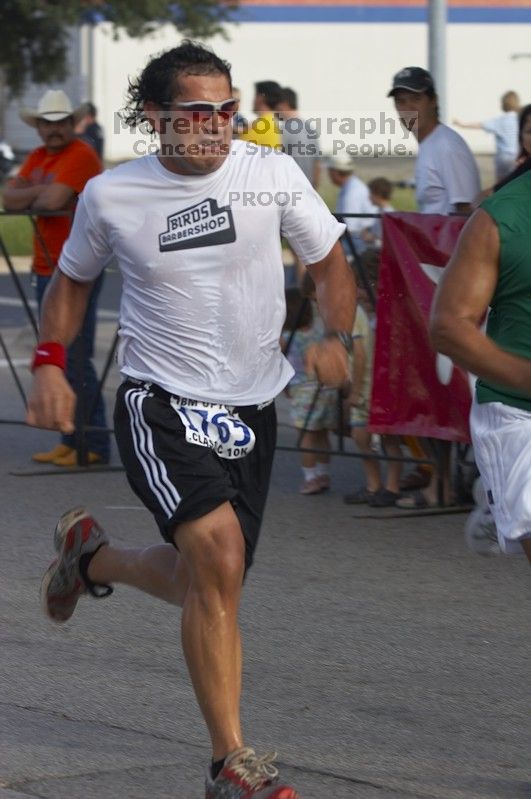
208 424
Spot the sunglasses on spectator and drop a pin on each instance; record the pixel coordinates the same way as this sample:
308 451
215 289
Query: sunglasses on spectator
201 109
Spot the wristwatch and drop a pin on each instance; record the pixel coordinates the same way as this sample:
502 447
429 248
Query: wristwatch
345 338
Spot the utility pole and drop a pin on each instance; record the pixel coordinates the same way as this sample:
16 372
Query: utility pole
437 16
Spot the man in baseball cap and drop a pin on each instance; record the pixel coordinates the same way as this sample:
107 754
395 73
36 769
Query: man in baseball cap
446 174
446 182
412 79
50 179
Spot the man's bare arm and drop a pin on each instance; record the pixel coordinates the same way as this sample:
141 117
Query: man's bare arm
54 197
52 402
336 298
460 303
19 195
470 125
335 290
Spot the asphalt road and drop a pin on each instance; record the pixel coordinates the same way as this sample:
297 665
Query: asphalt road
382 661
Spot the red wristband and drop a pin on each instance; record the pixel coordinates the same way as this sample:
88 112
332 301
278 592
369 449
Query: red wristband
49 353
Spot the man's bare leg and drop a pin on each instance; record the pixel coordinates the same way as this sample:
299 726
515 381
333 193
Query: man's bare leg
158 570
213 550
205 577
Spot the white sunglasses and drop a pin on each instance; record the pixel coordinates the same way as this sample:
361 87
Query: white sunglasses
204 108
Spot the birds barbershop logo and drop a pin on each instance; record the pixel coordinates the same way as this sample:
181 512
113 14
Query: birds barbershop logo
201 225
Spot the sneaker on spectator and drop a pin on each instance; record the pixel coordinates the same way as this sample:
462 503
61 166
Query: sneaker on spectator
383 498
246 776
70 459
59 451
361 496
312 486
76 534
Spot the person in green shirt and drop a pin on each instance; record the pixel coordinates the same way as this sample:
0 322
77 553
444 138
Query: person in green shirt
490 270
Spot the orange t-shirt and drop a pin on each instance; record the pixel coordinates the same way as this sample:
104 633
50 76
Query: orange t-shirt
73 167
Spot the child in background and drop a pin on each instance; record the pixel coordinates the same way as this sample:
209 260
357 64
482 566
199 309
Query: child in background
375 493
302 328
380 192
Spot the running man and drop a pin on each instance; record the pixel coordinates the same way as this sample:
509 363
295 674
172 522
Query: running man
196 232
491 269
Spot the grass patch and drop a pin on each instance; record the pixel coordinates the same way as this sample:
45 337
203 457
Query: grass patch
16 232
402 199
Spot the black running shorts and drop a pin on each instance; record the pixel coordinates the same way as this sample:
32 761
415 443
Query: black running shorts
179 481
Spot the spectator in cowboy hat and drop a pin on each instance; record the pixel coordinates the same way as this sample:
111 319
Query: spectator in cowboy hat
50 179
54 106
353 197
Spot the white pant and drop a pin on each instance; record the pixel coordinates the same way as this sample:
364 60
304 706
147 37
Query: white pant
501 436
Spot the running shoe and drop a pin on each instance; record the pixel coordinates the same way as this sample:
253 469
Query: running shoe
481 535
246 776
76 534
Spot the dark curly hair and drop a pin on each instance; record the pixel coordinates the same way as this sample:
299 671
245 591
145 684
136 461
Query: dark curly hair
159 81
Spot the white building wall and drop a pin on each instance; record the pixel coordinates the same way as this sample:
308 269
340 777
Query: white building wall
340 71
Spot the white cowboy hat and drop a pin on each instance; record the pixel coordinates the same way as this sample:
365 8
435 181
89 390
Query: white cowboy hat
342 162
53 106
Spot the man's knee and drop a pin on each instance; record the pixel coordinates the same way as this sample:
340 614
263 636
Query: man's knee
213 548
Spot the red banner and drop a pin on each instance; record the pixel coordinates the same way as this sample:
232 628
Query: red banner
415 391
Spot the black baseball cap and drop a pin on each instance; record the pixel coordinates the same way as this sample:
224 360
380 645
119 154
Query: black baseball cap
412 79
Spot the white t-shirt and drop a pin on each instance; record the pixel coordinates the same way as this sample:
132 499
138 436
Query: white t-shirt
505 129
446 172
354 198
202 306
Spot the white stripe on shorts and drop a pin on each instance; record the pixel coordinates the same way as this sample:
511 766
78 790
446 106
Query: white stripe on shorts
154 468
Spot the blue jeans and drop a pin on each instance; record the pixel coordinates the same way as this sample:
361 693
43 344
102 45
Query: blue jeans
82 375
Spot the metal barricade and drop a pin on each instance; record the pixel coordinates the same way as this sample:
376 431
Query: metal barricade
81 428
82 413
